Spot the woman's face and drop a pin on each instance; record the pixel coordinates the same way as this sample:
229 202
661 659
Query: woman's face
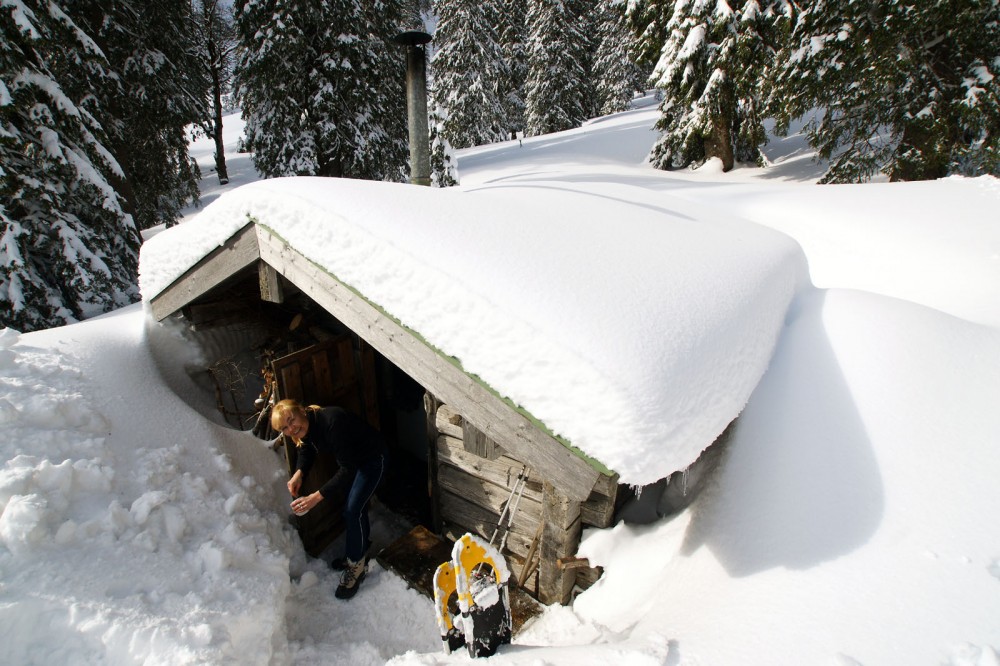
296 425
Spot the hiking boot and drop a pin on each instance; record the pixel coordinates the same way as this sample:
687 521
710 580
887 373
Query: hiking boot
351 579
340 563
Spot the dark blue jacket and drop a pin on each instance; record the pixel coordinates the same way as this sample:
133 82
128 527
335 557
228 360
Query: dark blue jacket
345 436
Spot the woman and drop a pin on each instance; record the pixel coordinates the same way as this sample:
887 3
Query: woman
360 452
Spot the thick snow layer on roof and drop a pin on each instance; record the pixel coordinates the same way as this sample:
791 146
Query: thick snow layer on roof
632 323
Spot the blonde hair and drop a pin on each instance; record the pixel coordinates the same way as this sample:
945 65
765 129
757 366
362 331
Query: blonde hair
283 408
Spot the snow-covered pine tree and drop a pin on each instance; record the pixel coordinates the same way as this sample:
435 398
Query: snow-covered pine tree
908 89
270 83
444 166
648 20
323 88
614 71
556 77
382 129
699 101
511 17
763 31
585 52
710 69
68 250
469 69
216 34
159 89
412 14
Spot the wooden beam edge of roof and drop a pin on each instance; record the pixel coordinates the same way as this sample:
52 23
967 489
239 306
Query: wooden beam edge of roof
225 261
569 469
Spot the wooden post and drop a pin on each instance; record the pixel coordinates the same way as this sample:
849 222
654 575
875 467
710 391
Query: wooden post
270 284
560 539
431 405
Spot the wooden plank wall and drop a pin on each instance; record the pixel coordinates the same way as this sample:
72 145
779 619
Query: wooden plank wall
475 477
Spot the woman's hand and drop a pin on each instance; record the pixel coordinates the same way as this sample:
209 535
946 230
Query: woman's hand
295 483
301 505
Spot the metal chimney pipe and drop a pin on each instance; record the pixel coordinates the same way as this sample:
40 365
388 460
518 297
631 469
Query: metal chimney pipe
416 104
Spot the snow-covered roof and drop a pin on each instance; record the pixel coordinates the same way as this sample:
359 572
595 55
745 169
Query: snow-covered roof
631 323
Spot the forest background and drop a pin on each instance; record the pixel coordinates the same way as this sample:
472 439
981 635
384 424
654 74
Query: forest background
98 100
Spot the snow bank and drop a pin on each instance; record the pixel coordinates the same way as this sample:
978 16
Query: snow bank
935 243
119 545
638 345
848 523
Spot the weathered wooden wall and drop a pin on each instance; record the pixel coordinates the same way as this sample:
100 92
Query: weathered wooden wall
475 478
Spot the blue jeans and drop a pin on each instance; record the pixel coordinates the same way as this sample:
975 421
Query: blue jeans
356 509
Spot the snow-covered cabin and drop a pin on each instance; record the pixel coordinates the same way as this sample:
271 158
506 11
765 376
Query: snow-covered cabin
597 337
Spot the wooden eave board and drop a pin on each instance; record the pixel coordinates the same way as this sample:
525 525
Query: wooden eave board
225 262
567 471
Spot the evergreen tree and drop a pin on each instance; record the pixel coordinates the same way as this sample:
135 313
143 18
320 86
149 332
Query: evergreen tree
764 29
68 250
217 42
384 151
511 17
160 88
614 72
469 69
556 77
323 87
585 52
413 12
444 165
710 70
908 89
647 21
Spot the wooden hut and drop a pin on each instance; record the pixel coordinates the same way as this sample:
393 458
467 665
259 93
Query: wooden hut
477 443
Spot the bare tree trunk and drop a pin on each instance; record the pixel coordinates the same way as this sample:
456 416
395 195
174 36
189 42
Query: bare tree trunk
220 149
918 157
719 143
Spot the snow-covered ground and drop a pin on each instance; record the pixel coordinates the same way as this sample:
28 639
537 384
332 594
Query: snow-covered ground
851 520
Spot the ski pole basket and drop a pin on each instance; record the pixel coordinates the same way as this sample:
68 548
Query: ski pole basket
478 575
